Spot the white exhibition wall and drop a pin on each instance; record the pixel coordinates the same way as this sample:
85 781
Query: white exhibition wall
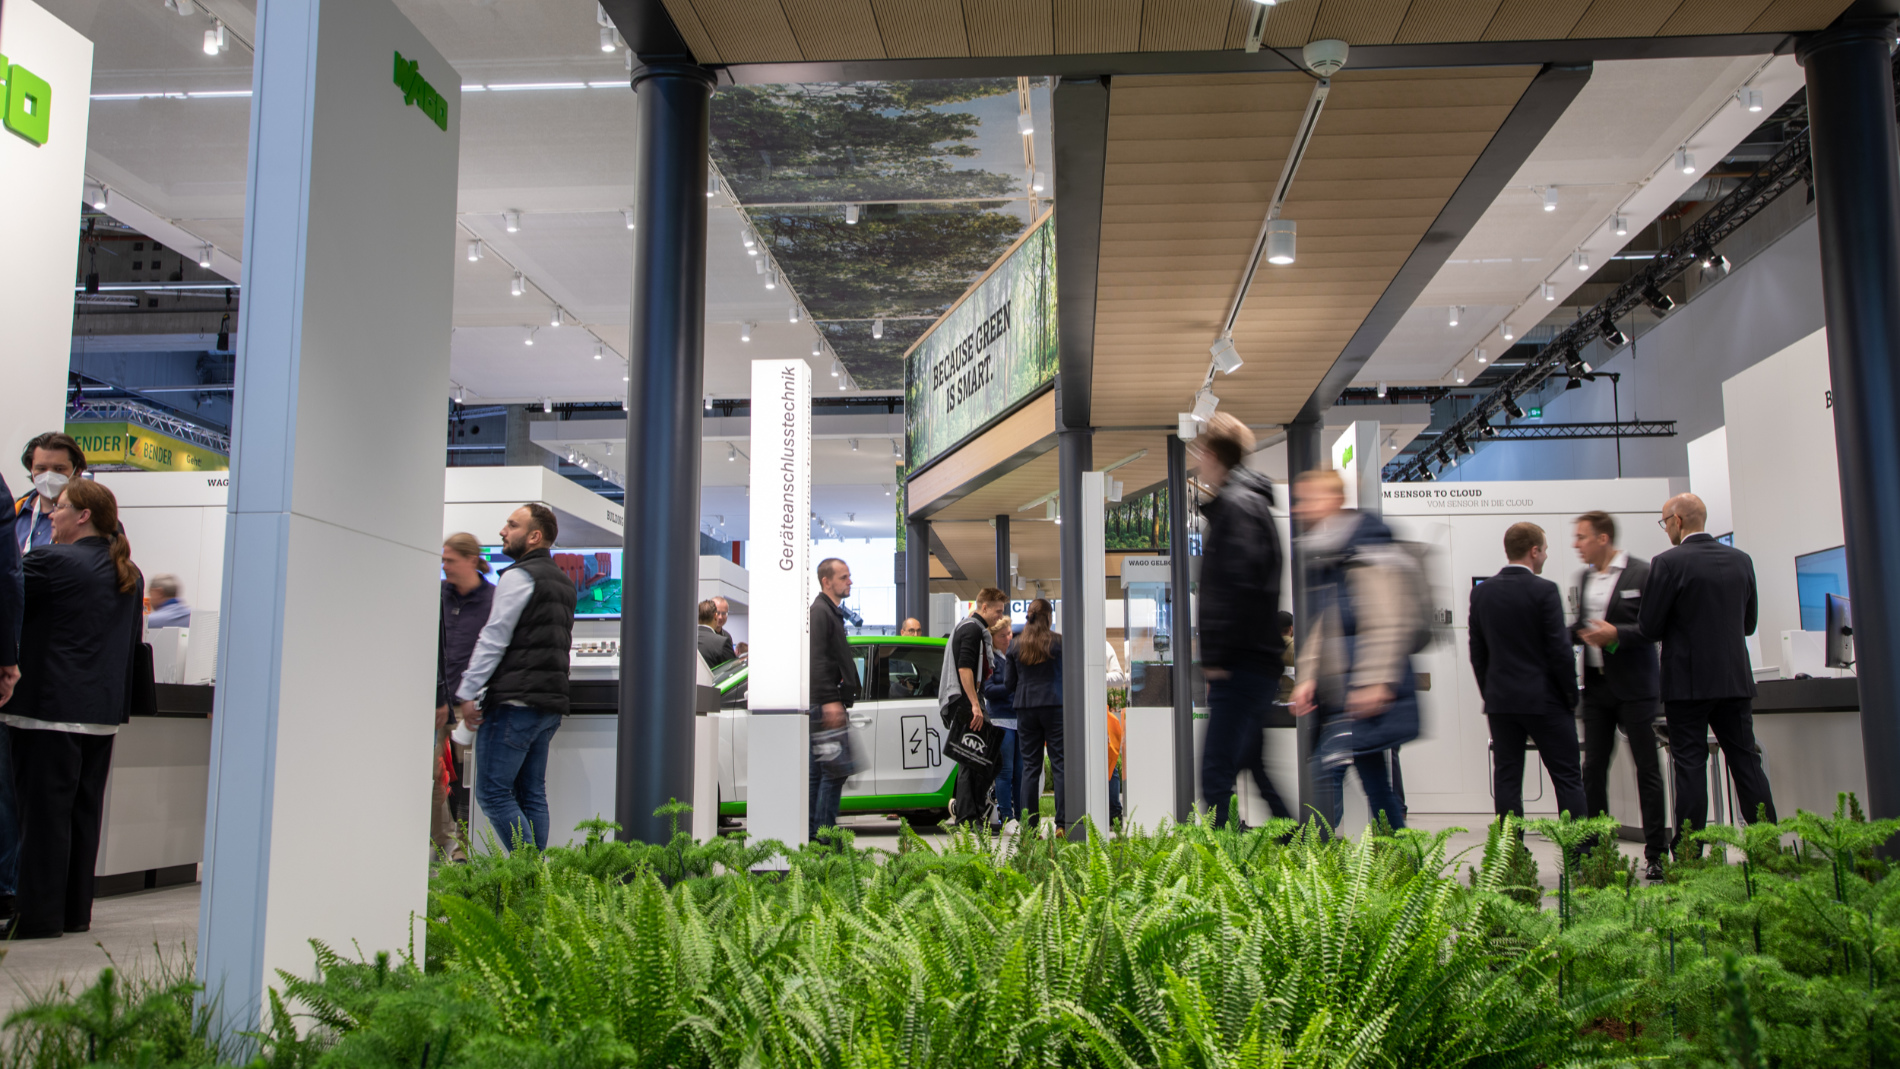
329 605
44 184
1783 476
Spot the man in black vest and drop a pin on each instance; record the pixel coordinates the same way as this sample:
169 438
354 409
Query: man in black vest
1620 687
1700 604
521 661
834 688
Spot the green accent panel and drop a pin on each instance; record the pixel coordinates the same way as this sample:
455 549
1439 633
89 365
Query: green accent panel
416 90
875 803
29 103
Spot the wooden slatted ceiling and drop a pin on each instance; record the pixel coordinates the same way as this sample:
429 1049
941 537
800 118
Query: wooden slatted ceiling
973 544
1192 161
787 31
1011 491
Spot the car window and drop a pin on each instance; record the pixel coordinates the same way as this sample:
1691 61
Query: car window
907 673
735 697
728 669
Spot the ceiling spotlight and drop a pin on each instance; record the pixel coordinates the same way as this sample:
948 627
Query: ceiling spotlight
887 489
627 214
1481 356
529 340
555 320
475 250
1038 182
518 286
99 201
877 327
1485 430
629 378
1381 390
1685 161
1457 310
844 382
1581 259
712 185
216 40
1204 404
1025 124
1750 99
1282 238
758 267
511 220
1615 338
1458 376
851 214
1658 301
1549 291
835 368
732 452
1226 360
1463 445
460 394
204 255
854 444
796 316
745 331
607 42
597 350
1504 330
1710 259
547 404
1512 408
1186 427
771 279
1550 198
1619 225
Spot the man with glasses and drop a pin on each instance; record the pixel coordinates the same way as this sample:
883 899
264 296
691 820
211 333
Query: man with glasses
1700 604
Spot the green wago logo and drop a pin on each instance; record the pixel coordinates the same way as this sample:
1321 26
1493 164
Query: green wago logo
417 90
1347 459
27 106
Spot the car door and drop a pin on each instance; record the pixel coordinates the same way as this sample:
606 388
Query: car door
910 735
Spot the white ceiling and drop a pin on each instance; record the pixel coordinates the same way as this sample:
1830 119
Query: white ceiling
1610 151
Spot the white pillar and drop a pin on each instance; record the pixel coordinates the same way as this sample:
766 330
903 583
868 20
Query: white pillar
43 181
778 687
1092 643
317 824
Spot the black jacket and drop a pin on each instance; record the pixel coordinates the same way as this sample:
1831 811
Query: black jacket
998 698
12 589
462 619
1240 579
1700 604
834 678
1520 649
714 648
1034 686
1630 671
79 634
533 670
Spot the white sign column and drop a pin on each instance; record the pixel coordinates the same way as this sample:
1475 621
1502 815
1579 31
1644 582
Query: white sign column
778 692
43 161
1092 643
317 820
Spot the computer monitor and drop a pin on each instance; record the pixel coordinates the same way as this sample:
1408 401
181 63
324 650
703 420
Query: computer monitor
1817 575
1840 632
596 575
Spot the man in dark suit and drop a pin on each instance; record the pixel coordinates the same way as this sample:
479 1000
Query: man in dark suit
1700 604
1620 681
715 647
1527 674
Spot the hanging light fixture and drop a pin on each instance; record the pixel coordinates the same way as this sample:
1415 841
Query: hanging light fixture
1025 124
1582 260
877 327
1226 360
1750 98
745 332
547 404
835 368
1381 391
1504 330
607 42
1282 238
1481 356
732 452
771 278
1550 198
518 286
475 251
1456 311
529 340
851 214
1619 225
1038 182
204 255
1550 291
1460 373
511 221
597 350
816 346
795 314
216 40
1685 161
555 320
712 185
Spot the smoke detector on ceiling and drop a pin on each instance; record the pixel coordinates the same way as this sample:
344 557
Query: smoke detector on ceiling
1324 58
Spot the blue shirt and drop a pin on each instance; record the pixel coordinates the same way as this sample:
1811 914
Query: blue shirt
36 523
173 613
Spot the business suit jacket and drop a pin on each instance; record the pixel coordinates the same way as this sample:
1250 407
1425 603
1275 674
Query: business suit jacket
1520 649
1630 671
714 648
1700 604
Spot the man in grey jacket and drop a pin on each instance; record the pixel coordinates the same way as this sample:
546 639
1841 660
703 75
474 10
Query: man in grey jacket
834 688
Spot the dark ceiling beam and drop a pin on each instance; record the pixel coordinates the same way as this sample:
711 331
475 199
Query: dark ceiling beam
1542 104
648 30
1080 141
1562 53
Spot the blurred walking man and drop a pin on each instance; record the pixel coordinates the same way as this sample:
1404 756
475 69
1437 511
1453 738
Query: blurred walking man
834 688
1700 604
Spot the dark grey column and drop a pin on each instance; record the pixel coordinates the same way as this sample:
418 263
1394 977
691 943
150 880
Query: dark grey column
1857 199
654 760
917 572
1002 554
1077 453
1181 635
1302 454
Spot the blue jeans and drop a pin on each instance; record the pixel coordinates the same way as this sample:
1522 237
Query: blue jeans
511 772
9 821
825 790
1115 793
1236 723
1006 778
1375 775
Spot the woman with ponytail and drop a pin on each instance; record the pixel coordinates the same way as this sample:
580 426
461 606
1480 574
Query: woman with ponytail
1033 670
83 597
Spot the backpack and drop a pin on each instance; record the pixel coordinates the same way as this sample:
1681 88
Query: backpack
1407 562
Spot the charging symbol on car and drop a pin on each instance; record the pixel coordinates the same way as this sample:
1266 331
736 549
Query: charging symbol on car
922 746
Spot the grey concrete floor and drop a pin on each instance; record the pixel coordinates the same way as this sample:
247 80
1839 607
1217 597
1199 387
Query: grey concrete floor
137 932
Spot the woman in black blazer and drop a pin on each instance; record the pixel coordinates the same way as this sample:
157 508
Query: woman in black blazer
83 597
1033 674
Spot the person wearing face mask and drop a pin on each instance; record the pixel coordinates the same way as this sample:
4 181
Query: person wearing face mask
51 460
467 599
83 613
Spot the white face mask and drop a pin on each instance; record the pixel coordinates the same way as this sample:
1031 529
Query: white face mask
49 484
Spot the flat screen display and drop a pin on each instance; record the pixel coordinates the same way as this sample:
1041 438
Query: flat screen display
1816 575
596 575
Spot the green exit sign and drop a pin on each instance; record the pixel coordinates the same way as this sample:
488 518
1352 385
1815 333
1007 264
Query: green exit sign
26 102
1534 413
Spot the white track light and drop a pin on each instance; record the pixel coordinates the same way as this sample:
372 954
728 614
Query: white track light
877 327
1619 225
1750 98
1204 404
751 243
511 221
1685 161
1550 291
1226 360
1282 238
835 368
1461 376
851 214
712 185
732 452
519 286
1481 356
100 199
529 340
204 256
1582 260
1550 198
758 267
1038 182
1456 312
1186 427
556 319
211 42
1381 391
771 278
627 214
816 346
474 250
853 442
598 350
795 314
1504 330
745 331
547 404
1025 124
607 42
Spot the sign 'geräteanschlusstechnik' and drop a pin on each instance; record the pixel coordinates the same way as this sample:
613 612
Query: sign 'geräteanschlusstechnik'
991 350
